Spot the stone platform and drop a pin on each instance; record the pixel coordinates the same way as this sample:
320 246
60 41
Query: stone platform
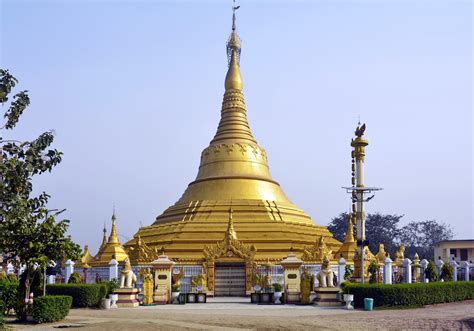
327 297
127 297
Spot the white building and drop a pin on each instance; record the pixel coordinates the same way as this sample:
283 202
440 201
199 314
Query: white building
461 250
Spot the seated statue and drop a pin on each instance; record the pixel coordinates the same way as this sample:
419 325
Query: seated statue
128 278
326 275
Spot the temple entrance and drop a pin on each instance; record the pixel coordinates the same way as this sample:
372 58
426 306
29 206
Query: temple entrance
230 279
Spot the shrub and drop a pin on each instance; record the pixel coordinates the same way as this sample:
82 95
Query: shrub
75 278
51 308
277 287
431 273
83 295
410 294
447 273
175 288
373 268
348 272
8 295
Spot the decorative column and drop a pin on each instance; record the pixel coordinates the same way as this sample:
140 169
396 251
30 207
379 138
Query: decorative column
439 265
455 266
416 268
113 269
424 265
248 277
465 270
162 266
291 265
407 270
341 271
210 267
387 271
69 270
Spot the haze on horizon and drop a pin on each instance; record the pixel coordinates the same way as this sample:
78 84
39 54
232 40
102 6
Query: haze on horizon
133 91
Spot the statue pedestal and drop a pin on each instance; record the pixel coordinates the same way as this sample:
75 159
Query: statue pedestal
327 296
127 297
161 297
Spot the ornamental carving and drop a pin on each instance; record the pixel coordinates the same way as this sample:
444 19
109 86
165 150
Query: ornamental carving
230 246
218 150
141 252
317 252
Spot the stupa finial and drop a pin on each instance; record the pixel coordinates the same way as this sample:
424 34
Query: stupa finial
113 238
233 79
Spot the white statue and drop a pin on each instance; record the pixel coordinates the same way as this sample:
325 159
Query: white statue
325 276
128 279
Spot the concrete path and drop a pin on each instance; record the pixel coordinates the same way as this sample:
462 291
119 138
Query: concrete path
237 315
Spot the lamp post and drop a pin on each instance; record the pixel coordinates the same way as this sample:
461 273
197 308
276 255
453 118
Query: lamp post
359 192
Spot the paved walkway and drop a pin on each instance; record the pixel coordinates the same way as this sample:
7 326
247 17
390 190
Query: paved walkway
237 315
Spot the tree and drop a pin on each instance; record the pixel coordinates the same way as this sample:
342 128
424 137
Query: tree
431 273
380 229
30 234
420 237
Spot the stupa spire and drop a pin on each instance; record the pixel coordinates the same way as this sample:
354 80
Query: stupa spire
113 238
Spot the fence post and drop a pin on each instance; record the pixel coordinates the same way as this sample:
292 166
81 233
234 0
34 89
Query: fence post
439 265
465 270
407 270
455 266
113 269
387 271
424 265
341 271
69 270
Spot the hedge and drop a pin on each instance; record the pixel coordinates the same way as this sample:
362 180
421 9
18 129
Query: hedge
51 308
8 295
83 295
410 294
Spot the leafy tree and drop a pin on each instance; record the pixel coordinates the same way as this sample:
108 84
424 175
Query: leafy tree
379 229
30 234
420 237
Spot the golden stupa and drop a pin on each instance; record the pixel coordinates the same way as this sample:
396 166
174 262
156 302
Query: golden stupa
233 192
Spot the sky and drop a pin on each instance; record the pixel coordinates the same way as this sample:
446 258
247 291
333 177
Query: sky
133 91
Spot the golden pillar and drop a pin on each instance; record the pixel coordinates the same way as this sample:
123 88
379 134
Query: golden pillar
162 291
291 264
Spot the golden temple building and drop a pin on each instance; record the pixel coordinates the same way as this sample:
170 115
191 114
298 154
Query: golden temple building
234 212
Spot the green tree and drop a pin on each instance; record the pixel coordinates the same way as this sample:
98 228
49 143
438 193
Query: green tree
379 229
447 273
30 234
420 237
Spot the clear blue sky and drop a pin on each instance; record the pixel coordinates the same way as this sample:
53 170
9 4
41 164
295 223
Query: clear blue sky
133 90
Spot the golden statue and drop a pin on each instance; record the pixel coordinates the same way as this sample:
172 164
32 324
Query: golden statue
305 285
382 254
199 280
400 255
147 279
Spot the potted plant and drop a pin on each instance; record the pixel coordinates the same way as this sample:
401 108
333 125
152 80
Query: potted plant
277 292
113 285
174 293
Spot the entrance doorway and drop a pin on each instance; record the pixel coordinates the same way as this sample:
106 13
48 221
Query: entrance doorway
230 279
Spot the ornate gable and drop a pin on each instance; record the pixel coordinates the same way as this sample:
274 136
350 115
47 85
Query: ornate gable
317 252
